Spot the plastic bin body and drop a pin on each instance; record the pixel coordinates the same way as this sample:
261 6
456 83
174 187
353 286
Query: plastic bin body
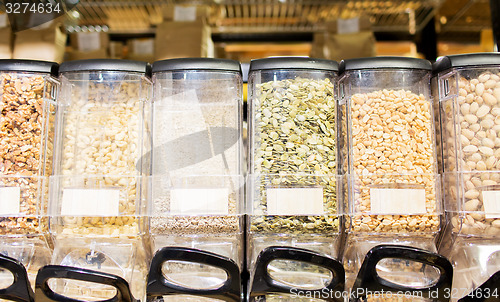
293 186
103 153
28 91
469 101
197 177
388 155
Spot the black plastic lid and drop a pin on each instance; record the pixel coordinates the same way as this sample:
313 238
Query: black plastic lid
293 63
384 63
197 64
467 60
106 65
29 66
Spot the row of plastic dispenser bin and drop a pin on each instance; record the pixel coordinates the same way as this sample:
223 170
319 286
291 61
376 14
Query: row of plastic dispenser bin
109 161
374 282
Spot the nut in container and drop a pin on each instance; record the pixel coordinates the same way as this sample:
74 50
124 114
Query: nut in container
28 91
388 152
103 150
293 187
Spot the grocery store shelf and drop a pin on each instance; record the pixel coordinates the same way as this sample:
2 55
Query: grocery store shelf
465 15
241 16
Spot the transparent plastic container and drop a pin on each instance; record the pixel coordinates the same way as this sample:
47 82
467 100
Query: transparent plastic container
293 182
470 111
28 91
103 145
469 100
55 283
388 275
295 274
98 195
388 156
197 184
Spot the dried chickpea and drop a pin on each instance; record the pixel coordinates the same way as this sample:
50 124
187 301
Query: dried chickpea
392 146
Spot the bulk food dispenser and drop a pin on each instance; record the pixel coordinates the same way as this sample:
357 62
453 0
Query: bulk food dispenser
28 92
103 148
197 183
388 157
469 96
292 190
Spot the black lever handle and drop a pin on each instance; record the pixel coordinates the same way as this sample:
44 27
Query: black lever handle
158 285
43 293
264 284
369 281
20 290
489 291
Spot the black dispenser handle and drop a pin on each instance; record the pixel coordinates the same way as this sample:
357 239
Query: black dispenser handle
158 285
43 293
369 281
489 291
264 284
20 290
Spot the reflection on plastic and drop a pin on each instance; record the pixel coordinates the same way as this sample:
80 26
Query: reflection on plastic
489 291
82 290
369 281
6 278
44 292
299 274
194 275
407 272
159 285
263 283
14 272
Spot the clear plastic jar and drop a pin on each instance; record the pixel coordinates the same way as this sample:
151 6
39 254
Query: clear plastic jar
390 147
103 154
103 148
388 156
469 96
197 183
28 92
292 194
469 101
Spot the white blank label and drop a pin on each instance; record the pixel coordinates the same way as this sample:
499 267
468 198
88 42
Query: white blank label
199 201
348 26
90 202
491 203
89 41
184 13
10 199
144 46
3 20
397 201
295 201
